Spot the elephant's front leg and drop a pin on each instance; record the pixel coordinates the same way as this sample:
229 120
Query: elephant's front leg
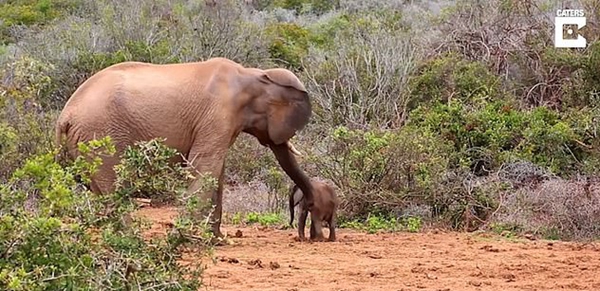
213 165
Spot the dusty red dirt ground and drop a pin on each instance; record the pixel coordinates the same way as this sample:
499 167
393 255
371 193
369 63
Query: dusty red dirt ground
270 259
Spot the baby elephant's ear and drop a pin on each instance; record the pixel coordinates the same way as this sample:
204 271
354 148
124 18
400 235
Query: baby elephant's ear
289 105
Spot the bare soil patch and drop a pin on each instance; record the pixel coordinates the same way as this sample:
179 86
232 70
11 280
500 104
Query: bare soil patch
270 259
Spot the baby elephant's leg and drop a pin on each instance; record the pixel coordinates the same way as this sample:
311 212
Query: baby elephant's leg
317 223
331 223
302 223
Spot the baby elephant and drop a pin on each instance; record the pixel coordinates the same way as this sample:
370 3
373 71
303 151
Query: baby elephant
325 206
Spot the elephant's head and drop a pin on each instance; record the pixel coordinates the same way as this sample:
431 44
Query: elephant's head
278 108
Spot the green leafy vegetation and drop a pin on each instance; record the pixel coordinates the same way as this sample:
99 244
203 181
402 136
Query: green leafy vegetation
56 235
289 44
376 223
31 13
264 219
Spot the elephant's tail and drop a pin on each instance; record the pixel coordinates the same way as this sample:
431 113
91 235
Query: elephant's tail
60 130
62 125
292 204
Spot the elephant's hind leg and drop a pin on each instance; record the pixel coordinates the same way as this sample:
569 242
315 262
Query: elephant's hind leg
103 181
331 223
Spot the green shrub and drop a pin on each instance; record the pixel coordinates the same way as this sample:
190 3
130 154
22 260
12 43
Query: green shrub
150 169
146 171
289 44
582 87
56 235
320 7
382 171
585 123
316 7
449 78
26 128
264 219
549 142
290 4
485 137
88 63
377 223
30 12
478 136
322 35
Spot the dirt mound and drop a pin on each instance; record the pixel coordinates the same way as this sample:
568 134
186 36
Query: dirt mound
269 259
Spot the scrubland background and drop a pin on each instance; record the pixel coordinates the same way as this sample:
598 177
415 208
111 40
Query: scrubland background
455 114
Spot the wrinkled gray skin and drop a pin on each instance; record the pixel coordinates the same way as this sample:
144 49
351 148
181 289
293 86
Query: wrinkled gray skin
324 210
199 107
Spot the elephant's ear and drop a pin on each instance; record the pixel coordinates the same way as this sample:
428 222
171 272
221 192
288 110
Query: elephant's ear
289 105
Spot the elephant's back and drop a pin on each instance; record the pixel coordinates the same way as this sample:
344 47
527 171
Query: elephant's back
111 88
88 110
137 101
90 102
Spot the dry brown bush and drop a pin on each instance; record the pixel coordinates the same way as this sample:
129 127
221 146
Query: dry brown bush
556 208
362 81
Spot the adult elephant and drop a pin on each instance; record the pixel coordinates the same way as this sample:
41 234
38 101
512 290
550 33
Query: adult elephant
200 108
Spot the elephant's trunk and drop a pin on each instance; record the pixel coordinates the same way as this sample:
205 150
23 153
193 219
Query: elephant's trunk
288 162
292 204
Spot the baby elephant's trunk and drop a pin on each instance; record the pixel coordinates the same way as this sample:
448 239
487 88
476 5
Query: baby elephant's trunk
292 204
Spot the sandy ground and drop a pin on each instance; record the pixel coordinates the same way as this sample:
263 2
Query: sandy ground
270 259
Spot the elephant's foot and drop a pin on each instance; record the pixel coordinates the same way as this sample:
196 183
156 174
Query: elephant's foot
318 239
217 233
215 228
218 238
300 239
221 241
